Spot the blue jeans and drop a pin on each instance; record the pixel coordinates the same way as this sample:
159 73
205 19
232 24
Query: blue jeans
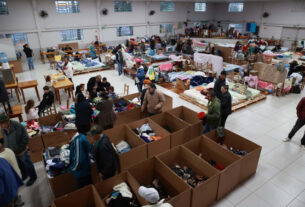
208 128
140 86
26 166
120 68
30 63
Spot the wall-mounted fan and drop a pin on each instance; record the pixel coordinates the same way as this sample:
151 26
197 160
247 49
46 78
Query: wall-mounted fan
151 12
265 14
105 12
43 14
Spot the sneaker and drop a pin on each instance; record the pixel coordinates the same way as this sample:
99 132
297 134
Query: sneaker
31 182
286 140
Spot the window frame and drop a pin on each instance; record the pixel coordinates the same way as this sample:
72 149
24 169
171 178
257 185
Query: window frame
73 10
4 8
239 29
205 7
169 28
120 34
78 33
236 3
167 2
125 10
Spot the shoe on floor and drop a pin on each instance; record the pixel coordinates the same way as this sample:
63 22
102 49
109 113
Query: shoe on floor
286 140
31 182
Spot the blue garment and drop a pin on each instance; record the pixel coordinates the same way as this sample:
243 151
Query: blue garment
140 74
9 182
26 166
199 80
79 156
92 51
30 63
120 68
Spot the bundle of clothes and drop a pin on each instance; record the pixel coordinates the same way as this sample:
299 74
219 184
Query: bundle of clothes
122 105
213 163
32 128
163 194
122 147
136 101
188 175
240 153
146 133
121 196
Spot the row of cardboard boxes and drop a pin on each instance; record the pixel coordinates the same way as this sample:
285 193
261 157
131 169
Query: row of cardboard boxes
217 185
186 130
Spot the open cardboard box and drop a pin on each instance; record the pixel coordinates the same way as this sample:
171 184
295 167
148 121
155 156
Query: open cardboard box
50 120
126 117
105 187
179 130
84 197
209 150
145 172
205 193
190 117
138 152
250 161
155 147
55 139
35 148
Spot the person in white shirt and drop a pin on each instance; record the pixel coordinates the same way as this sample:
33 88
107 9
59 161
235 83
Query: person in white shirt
68 68
30 110
151 195
10 157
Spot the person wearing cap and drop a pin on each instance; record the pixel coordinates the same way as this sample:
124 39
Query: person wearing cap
79 159
153 101
105 156
106 117
151 195
220 82
16 138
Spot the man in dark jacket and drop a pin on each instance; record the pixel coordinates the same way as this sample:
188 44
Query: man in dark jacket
220 82
47 100
94 84
83 112
299 123
29 56
4 97
104 153
226 104
16 138
120 60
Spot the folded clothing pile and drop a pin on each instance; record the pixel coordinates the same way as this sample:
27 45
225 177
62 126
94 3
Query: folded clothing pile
121 196
199 80
120 106
188 175
32 128
239 152
213 163
163 194
146 133
89 63
122 147
70 118
136 101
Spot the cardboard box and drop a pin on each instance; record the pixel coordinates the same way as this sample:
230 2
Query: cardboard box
55 139
138 152
179 130
35 148
126 117
105 187
50 120
209 150
145 172
248 162
85 197
155 147
181 85
205 193
191 117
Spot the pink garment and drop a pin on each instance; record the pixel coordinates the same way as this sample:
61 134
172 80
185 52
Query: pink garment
253 81
33 114
166 66
265 85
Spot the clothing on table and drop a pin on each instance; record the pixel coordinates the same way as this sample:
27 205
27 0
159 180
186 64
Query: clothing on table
153 102
106 116
26 166
33 114
105 157
122 147
9 183
217 87
83 112
9 155
253 81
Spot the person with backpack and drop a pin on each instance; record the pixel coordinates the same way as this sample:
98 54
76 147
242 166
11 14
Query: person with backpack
105 156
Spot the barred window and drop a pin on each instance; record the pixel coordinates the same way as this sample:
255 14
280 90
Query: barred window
67 7
200 7
167 6
122 6
124 31
70 35
3 8
236 7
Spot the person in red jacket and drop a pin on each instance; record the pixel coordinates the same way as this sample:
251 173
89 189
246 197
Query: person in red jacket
299 123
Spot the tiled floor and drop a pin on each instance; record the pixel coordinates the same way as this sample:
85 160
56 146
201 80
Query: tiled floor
279 180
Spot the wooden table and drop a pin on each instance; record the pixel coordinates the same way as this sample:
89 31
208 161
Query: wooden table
28 84
17 112
130 71
13 86
62 84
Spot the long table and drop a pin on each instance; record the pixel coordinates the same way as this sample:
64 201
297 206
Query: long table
62 84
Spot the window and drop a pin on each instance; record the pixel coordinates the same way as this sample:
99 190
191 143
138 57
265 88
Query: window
238 27
3 8
166 28
67 7
167 6
124 31
122 6
236 7
72 34
200 7
18 38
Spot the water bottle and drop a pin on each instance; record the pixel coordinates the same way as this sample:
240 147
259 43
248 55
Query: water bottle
4 60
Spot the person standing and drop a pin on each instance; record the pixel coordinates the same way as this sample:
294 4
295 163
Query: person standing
213 116
4 99
94 84
120 60
153 101
105 156
220 82
93 50
140 76
68 68
106 117
80 160
226 104
299 123
83 113
29 56
16 138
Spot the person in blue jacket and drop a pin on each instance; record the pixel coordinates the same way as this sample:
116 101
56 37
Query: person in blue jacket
140 76
80 160
9 184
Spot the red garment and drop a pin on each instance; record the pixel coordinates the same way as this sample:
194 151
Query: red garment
301 109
